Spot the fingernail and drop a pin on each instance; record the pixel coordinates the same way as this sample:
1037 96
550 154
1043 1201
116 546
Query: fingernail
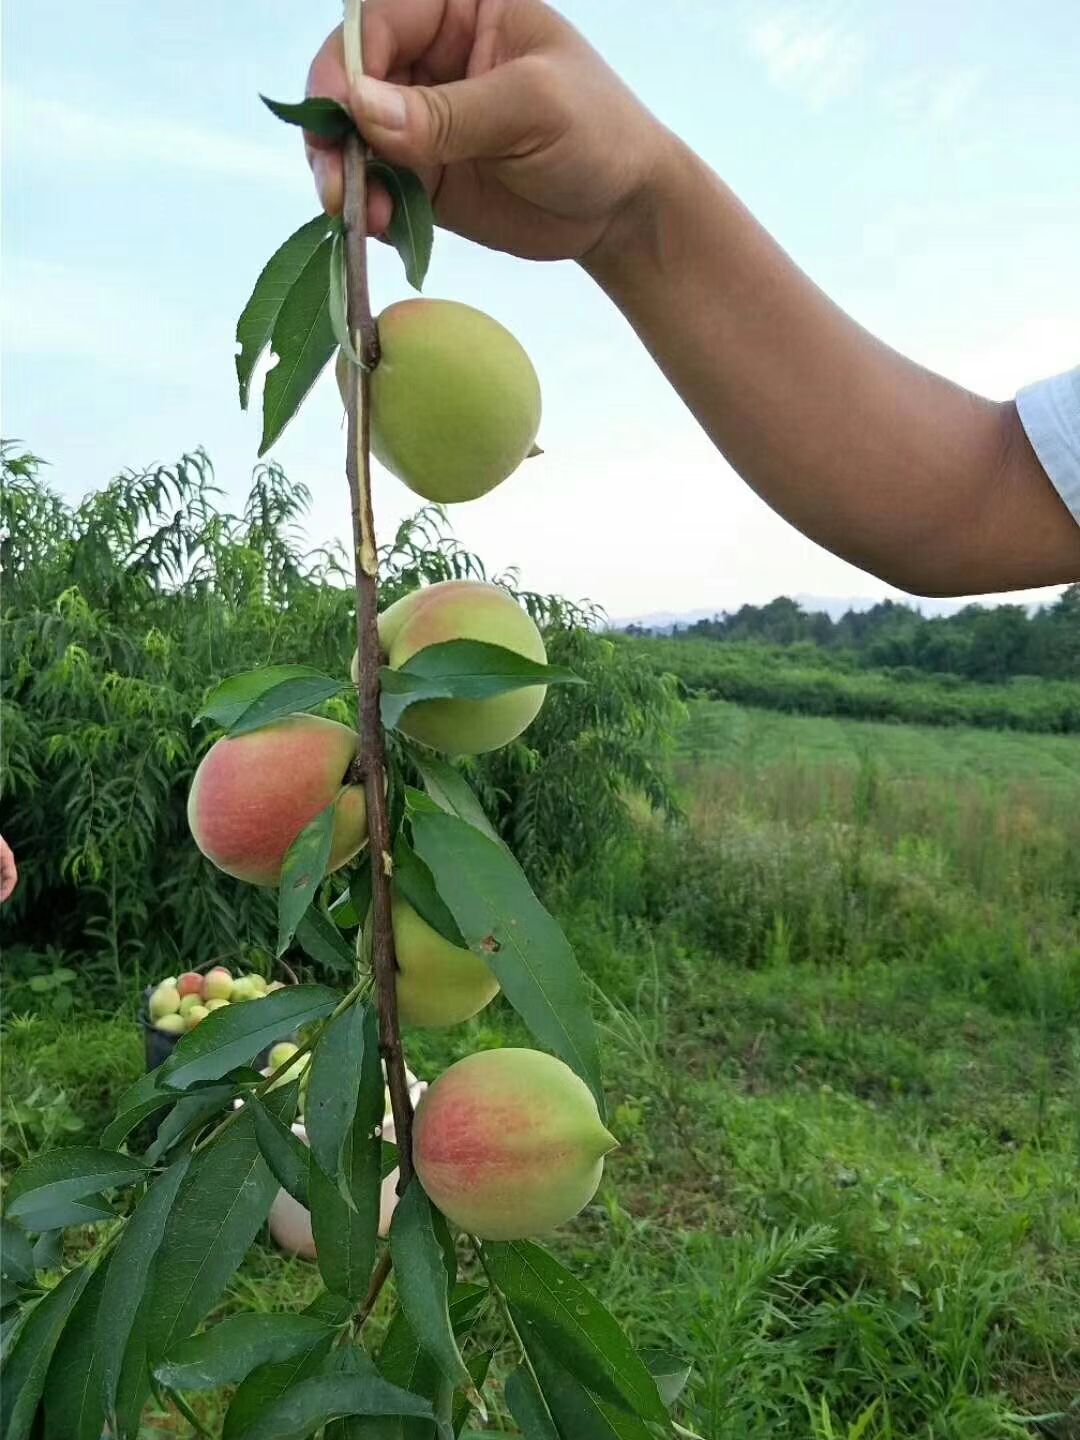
381 104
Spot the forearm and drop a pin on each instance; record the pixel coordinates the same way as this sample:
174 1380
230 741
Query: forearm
895 468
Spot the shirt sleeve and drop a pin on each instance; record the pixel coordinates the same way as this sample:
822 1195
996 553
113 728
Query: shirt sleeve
1050 413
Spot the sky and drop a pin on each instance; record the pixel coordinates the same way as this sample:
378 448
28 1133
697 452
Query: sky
918 160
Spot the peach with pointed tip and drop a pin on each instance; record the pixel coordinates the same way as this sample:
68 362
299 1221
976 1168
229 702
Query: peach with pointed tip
455 402
438 983
509 1143
253 794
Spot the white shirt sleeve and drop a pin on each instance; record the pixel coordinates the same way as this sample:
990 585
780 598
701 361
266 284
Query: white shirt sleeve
1050 413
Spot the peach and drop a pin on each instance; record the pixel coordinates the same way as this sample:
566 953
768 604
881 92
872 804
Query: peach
171 1024
218 984
190 983
438 983
455 402
253 794
509 1143
164 1000
463 610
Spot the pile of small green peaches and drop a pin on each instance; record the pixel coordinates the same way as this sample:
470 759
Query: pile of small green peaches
178 1003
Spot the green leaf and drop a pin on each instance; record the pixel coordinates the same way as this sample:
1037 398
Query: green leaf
129 1274
318 115
282 270
451 791
404 1362
578 1414
478 1366
580 1333
461 670
200 1106
73 1403
138 1102
669 1371
230 1182
229 1351
236 1034
268 1383
256 698
311 1403
65 1214
495 909
16 1254
28 1364
413 881
302 872
412 222
49 1250
321 940
420 1276
528 1406
333 1089
303 341
59 1176
286 1155
345 1235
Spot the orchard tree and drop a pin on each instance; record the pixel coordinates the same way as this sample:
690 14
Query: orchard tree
507 1144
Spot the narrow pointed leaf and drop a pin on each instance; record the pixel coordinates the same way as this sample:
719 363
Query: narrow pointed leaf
478 1365
345 1234
230 1181
286 1155
577 1412
528 1406
140 1100
311 1403
413 881
229 1351
16 1254
339 303
128 1275
31 1355
256 323
59 1176
318 115
580 1333
420 1276
303 341
302 872
496 911
73 1404
236 1034
461 670
268 1383
200 1106
333 1089
452 792
321 940
228 703
412 221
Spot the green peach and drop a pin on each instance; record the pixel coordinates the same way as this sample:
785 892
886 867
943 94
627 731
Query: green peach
467 610
165 1000
438 983
196 1015
455 402
509 1143
171 1024
253 794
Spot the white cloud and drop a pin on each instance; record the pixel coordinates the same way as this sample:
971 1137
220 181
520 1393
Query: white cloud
813 50
936 99
36 124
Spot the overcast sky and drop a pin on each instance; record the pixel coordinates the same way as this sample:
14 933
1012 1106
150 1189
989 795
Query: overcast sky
919 160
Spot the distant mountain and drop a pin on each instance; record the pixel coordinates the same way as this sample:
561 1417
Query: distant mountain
833 605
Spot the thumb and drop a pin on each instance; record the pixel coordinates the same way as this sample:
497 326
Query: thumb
426 125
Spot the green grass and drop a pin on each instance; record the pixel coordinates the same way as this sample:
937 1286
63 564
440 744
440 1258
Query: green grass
839 1012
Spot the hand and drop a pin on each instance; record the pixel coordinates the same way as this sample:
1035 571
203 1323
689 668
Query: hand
526 140
9 875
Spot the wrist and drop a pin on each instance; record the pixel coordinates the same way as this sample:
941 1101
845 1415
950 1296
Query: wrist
635 237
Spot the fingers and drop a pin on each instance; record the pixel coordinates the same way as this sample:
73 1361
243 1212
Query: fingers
490 117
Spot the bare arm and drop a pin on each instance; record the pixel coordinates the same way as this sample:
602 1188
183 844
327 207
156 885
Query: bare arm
509 115
887 464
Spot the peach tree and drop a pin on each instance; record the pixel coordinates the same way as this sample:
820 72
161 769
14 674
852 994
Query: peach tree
437 918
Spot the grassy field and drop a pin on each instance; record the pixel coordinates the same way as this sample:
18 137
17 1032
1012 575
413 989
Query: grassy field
839 1009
